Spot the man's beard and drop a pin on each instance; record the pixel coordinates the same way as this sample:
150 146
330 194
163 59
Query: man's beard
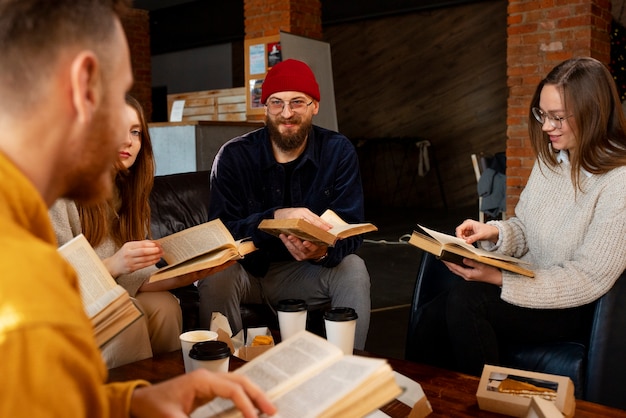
91 180
288 142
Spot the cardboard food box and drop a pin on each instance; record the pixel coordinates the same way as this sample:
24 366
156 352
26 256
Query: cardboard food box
510 391
258 340
541 408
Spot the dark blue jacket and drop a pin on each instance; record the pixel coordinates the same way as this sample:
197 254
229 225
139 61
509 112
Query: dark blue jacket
247 185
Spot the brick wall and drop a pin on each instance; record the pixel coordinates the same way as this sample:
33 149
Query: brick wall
541 34
269 17
137 27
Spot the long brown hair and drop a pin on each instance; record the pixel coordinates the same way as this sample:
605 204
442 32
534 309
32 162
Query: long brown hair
125 217
589 94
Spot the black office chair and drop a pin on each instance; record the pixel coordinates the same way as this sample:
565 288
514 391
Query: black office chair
597 368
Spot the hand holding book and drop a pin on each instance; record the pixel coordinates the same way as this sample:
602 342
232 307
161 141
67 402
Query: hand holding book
308 231
450 248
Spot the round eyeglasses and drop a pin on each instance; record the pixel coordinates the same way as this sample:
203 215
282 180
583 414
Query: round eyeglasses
555 121
276 106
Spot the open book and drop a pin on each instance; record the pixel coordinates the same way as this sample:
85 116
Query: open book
107 304
198 248
307 376
450 248
306 231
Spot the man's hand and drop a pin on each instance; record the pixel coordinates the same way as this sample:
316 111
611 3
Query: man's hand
302 213
133 255
302 250
179 396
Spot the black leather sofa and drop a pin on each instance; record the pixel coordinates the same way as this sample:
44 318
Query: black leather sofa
180 201
597 366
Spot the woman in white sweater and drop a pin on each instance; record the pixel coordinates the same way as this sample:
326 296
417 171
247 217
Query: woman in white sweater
570 224
117 229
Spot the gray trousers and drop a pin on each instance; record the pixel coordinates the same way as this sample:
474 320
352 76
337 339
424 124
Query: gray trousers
346 285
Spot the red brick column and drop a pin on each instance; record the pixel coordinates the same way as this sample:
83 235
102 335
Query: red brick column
541 34
137 27
269 17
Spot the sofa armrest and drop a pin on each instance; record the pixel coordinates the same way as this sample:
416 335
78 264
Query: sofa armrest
433 278
606 364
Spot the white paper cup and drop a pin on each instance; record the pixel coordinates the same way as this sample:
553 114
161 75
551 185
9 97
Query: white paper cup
189 338
340 326
292 315
211 355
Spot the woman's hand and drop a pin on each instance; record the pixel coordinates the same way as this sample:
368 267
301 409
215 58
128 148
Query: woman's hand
133 255
179 396
476 272
472 231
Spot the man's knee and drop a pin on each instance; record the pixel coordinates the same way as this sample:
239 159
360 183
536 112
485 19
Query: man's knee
352 269
222 283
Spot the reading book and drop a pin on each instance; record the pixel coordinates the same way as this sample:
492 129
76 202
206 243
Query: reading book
449 248
306 231
200 247
107 304
307 376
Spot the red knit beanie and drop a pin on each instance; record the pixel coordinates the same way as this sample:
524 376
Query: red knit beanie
290 75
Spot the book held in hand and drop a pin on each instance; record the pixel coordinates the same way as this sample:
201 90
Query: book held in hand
307 376
450 248
306 231
107 304
200 247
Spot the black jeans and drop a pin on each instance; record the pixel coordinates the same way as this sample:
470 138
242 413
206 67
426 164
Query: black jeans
465 327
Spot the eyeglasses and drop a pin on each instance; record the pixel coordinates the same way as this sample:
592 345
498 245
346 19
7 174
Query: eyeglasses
276 106
555 121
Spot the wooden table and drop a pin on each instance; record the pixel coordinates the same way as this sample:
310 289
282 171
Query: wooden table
450 394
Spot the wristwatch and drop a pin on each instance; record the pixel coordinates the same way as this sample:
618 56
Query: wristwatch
322 258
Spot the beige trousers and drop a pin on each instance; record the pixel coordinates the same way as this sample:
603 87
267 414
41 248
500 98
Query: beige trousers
157 331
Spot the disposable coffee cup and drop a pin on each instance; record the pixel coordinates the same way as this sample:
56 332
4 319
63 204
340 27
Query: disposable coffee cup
189 338
211 355
291 317
340 326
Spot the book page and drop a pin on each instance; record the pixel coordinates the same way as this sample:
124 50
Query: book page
202 262
446 239
332 218
191 242
275 371
328 387
340 226
97 287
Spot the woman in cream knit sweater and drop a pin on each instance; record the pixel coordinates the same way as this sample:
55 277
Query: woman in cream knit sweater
570 224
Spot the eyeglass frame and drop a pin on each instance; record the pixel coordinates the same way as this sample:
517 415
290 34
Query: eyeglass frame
285 102
555 121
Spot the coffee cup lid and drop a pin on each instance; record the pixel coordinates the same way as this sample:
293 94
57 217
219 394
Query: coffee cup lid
340 314
291 305
209 350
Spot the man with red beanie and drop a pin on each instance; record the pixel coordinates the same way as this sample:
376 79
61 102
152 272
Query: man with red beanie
288 169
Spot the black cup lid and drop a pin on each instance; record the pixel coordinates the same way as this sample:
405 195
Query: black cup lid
340 314
291 305
209 350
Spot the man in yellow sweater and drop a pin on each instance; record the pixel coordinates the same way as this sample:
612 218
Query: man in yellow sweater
65 70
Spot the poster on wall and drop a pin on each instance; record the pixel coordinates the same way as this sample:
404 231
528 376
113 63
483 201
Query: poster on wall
255 93
274 54
257 59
